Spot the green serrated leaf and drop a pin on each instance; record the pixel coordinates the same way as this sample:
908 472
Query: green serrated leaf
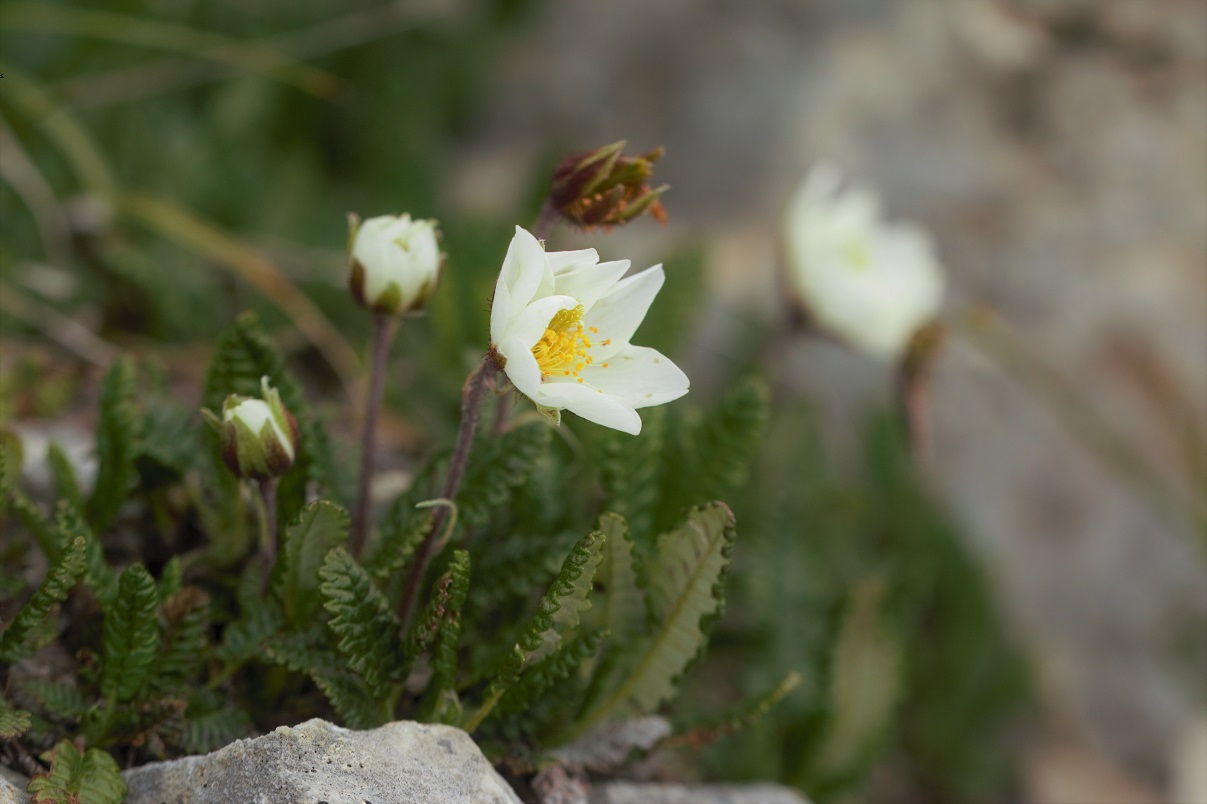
631 470
60 699
320 526
101 779
556 618
210 731
570 596
427 626
445 707
62 474
865 685
63 576
171 446
171 578
496 466
346 691
444 658
13 722
38 524
308 651
685 577
367 629
70 524
244 639
402 531
118 431
624 609
60 784
90 778
9 465
536 682
738 719
130 636
184 639
716 450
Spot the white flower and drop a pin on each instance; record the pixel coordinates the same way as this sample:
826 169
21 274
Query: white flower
395 263
562 321
871 283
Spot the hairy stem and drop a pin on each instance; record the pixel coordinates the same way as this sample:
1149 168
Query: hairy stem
471 411
383 334
268 546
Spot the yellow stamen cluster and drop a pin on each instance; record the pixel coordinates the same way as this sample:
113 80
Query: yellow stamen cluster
563 348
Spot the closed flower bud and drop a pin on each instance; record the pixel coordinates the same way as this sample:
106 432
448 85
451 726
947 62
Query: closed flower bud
395 263
606 188
258 438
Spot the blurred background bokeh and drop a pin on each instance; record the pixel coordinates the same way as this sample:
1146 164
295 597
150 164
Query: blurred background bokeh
165 164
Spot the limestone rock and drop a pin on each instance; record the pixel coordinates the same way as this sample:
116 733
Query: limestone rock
644 793
315 762
12 787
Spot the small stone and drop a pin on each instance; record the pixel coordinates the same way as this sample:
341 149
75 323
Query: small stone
399 763
642 793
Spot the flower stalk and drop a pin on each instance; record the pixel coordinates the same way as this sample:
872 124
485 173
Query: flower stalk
914 374
472 395
269 535
384 327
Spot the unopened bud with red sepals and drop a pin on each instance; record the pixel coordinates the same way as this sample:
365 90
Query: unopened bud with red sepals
606 188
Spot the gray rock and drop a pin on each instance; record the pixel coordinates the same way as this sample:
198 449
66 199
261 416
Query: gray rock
642 793
399 763
12 787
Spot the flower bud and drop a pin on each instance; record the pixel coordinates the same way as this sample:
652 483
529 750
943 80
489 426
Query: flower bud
395 263
258 438
606 188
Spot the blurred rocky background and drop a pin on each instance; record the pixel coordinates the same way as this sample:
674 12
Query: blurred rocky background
1058 152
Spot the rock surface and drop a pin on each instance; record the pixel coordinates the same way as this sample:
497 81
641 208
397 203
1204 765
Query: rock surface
641 793
12 787
399 763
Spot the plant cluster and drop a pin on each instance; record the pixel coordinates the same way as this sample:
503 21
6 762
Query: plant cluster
528 614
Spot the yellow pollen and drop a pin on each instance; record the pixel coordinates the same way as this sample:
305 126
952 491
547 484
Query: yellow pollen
564 345
608 342
594 330
603 365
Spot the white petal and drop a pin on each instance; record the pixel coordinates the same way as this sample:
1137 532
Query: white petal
500 311
639 376
561 262
530 324
590 283
524 267
618 314
592 405
521 367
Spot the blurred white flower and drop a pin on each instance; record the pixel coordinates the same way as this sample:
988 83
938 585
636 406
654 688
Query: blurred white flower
395 263
872 284
562 321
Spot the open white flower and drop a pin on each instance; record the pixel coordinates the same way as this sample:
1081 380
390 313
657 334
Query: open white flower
871 283
562 321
